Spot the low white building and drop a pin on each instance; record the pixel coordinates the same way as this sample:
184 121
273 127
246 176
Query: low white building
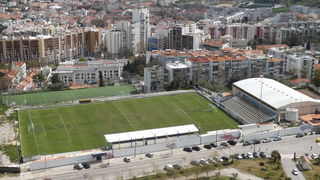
88 72
178 71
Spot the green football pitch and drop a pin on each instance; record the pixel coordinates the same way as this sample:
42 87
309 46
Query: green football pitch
80 127
68 95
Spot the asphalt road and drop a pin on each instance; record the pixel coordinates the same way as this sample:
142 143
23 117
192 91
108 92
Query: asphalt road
141 165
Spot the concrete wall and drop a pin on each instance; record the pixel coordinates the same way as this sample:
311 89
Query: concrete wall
282 132
60 162
253 128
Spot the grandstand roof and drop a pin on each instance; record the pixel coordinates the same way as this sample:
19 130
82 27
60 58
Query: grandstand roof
274 93
150 133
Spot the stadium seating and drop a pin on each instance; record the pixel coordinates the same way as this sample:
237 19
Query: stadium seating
248 109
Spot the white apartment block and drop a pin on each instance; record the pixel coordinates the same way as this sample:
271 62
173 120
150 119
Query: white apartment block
115 41
140 29
88 72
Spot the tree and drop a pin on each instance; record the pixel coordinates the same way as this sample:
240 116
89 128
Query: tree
4 82
38 79
55 79
101 82
316 78
56 83
308 47
275 155
82 59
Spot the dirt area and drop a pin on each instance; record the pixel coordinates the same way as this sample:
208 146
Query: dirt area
7 136
309 93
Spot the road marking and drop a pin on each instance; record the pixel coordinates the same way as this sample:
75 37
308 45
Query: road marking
65 127
34 133
216 113
185 113
124 116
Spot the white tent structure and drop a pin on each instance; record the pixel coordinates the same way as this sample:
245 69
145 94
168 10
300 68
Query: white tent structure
154 134
276 95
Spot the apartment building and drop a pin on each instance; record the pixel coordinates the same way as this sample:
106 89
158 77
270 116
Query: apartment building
51 48
155 78
218 67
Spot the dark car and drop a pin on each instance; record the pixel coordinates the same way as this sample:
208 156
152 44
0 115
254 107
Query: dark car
207 146
224 144
232 142
317 132
256 142
196 148
299 135
262 155
187 149
246 143
78 167
176 166
255 155
244 156
149 155
213 145
85 165
225 158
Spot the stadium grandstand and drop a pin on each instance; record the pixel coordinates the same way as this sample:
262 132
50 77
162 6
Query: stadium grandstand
150 136
259 100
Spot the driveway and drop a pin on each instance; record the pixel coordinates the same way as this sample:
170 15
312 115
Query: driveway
288 164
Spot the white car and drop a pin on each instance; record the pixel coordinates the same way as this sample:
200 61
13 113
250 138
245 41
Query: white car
168 167
203 162
295 172
211 160
249 154
266 140
126 159
314 156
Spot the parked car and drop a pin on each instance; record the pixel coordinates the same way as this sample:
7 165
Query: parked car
168 167
203 162
224 144
244 156
249 155
262 155
295 172
126 159
207 146
225 158
278 138
246 143
85 165
196 148
211 160
299 135
213 145
255 155
78 167
187 149
266 140
314 156
149 155
256 142
232 142
237 156
176 166
317 132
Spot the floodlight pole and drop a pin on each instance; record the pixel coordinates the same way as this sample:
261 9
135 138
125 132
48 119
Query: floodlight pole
261 76
135 147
